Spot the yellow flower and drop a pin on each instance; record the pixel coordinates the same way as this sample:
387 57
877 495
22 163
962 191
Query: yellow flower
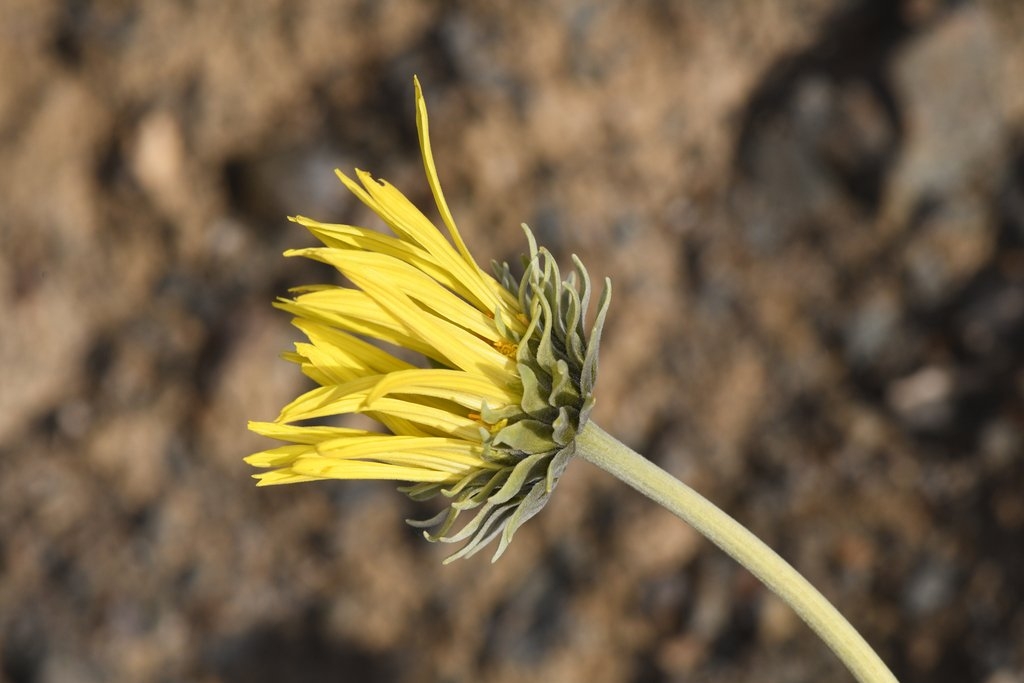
491 421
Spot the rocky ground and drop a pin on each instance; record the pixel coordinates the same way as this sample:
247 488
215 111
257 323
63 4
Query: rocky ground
813 214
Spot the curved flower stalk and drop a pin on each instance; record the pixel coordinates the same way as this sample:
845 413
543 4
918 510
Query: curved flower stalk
492 423
504 399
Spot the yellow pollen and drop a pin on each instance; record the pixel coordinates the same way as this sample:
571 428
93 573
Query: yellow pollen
492 428
506 348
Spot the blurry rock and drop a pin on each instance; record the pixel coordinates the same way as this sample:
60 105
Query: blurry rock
955 138
679 656
1002 442
930 589
1008 508
777 622
158 159
872 328
1006 676
130 453
951 244
991 320
274 185
923 399
954 151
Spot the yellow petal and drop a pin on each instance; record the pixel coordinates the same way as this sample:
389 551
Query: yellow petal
351 398
389 271
361 239
460 348
284 476
411 225
423 129
357 469
460 387
340 357
328 400
305 434
448 455
356 312
442 421
281 456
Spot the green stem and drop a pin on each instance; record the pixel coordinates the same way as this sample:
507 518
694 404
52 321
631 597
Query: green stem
603 450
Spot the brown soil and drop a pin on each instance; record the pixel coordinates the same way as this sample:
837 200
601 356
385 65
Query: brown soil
813 214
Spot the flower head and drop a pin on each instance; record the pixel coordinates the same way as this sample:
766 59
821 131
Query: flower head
491 421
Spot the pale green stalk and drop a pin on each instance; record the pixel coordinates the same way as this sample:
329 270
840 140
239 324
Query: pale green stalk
603 450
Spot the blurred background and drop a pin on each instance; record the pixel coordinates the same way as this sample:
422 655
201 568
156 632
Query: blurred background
813 214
